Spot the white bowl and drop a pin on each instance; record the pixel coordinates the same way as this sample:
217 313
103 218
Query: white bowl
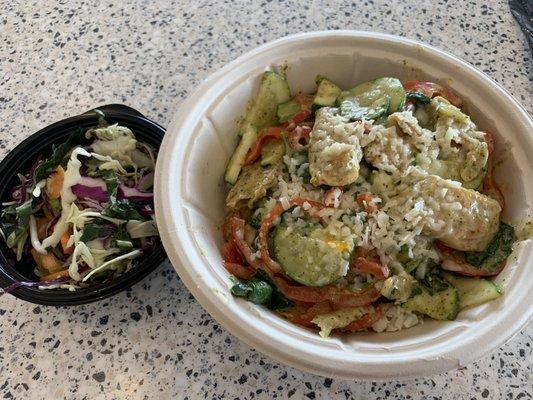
190 194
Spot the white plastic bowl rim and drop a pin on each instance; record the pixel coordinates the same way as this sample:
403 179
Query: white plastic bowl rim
189 193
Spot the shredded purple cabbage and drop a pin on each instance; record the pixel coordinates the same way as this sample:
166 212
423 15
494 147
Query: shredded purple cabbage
146 211
133 194
146 182
50 225
91 188
15 285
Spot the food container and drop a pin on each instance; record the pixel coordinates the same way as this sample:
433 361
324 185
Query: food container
22 157
190 193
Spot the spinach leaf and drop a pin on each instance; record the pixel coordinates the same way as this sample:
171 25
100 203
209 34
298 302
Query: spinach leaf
433 280
121 238
123 209
58 154
277 300
24 211
496 252
260 290
418 97
98 228
112 183
12 233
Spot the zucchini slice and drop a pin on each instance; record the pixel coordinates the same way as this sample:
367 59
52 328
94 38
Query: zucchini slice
272 152
237 159
287 110
261 112
443 305
473 291
307 258
326 93
373 95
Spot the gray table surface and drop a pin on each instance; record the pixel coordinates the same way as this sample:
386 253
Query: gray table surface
61 58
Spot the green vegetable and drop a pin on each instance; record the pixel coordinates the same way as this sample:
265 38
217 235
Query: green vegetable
433 280
255 221
122 238
496 252
443 305
305 254
12 233
122 209
112 183
55 205
255 291
58 154
418 97
326 93
372 99
241 289
260 290
236 161
97 228
124 244
473 291
287 110
272 152
261 112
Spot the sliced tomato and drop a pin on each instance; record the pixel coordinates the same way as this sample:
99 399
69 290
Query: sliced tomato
367 320
366 265
267 223
367 200
240 271
273 133
236 226
450 262
230 253
305 101
338 296
305 318
298 135
431 89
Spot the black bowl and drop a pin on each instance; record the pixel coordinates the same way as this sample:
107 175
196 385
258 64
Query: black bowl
22 157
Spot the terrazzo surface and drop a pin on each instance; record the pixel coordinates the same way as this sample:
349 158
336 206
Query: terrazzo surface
155 341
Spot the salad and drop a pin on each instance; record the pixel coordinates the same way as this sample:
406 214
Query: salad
370 208
84 214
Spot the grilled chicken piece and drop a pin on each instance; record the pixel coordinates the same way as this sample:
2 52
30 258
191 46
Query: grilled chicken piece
334 149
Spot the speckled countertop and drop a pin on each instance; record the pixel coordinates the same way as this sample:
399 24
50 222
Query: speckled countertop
61 58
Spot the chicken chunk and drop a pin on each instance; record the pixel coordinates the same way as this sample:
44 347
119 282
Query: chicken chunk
463 219
334 149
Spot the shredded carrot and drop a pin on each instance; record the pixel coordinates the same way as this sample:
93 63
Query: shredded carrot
54 183
65 237
47 262
55 275
41 227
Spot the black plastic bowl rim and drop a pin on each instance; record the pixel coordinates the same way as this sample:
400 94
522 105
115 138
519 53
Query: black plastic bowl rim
22 157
